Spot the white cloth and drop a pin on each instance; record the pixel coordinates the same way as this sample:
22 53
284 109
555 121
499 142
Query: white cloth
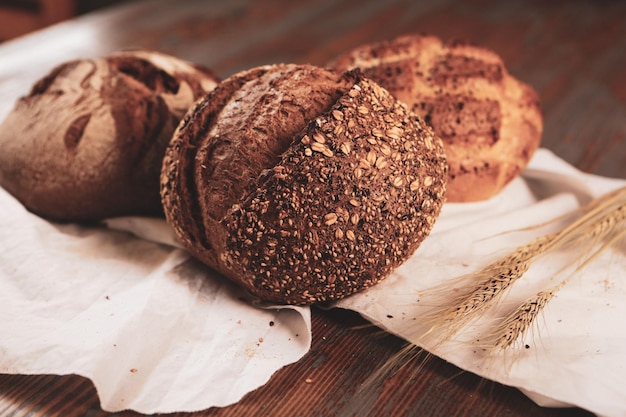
157 332
152 328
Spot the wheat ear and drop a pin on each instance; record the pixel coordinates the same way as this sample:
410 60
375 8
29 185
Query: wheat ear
489 284
518 322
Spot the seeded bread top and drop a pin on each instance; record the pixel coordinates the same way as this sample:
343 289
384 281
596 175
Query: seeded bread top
490 122
349 193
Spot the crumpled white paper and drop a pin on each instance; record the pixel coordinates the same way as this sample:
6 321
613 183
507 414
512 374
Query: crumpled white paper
152 328
576 354
157 332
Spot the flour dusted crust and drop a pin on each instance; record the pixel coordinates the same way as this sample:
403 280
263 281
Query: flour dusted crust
87 142
301 184
490 122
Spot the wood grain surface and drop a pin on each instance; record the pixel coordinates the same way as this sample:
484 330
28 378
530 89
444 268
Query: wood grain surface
572 52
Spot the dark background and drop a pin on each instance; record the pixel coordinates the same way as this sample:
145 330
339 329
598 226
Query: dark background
18 17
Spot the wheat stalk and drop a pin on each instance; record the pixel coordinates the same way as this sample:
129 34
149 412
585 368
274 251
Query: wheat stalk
516 324
602 223
489 284
599 218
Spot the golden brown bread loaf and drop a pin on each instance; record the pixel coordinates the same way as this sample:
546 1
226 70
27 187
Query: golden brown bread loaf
490 122
88 141
301 184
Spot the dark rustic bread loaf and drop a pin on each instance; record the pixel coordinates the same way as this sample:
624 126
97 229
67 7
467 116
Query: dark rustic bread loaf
88 141
301 184
490 122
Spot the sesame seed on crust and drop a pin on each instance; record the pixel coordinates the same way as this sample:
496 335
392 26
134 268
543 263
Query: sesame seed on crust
319 255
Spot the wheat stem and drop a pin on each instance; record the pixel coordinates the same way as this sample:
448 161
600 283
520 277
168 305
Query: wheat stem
599 217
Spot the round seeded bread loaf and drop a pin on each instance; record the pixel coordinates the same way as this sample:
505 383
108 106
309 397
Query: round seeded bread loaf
301 184
88 141
490 122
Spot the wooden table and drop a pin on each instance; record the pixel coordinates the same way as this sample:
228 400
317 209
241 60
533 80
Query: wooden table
572 52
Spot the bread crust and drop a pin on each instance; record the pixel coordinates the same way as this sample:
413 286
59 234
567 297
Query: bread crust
490 122
349 193
87 142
